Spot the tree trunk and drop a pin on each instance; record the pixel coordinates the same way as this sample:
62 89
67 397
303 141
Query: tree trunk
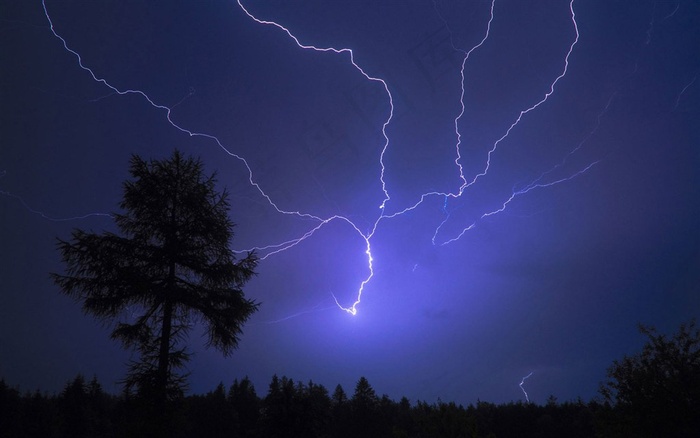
164 352
161 418
163 376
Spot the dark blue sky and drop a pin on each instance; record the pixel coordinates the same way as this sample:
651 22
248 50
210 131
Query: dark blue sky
554 284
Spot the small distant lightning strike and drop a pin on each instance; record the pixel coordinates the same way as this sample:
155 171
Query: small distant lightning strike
382 215
522 382
46 216
650 29
678 5
41 213
316 308
678 99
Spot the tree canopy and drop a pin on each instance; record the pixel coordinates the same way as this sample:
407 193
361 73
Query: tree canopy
657 391
170 267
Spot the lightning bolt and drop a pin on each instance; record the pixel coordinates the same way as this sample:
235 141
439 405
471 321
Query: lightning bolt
522 382
688 85
678 6
383 215
316 308
465 184
47 216
44 215
356 66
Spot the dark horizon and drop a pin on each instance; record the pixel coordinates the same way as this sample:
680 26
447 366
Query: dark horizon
289 409
580 225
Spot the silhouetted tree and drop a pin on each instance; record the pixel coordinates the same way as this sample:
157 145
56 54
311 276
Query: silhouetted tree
339 397
10 419
74 406
340 409
657 392
171 266
364 406
280 409
364 396
402 420
246 406
315 410
211 415
39 417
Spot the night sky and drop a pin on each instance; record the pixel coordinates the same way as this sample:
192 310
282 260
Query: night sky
593 179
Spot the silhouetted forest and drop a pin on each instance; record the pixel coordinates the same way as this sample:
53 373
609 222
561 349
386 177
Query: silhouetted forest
288 409
654 393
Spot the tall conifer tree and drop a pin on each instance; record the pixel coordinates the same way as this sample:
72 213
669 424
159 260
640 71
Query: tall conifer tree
169 267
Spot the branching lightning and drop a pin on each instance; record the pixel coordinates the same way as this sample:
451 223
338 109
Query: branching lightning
383 215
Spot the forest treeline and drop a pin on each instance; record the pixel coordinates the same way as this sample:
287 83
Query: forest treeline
289 409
